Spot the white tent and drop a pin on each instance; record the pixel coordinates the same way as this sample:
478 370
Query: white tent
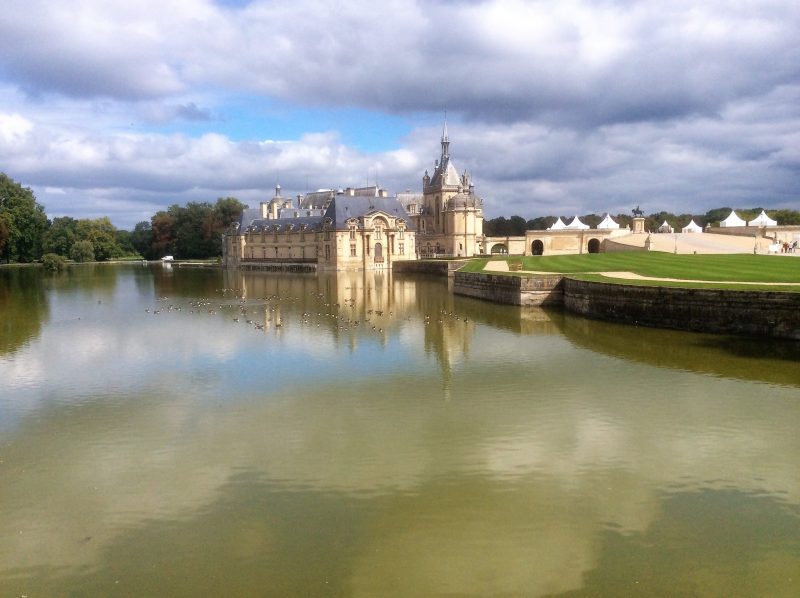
763 220
608 223
733 220
692 228
576 224
666 228
558 225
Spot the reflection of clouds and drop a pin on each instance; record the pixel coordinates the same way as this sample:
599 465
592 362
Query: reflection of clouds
76 356
503 488
570 468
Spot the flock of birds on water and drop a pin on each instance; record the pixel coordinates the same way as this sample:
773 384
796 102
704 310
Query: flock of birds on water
266 312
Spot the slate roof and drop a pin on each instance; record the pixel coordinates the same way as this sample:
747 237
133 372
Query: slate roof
445 175
312 222
340 210
248 215
344 207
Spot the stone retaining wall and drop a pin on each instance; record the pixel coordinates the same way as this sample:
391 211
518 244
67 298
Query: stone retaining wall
755 313
440 267
609 246
511 290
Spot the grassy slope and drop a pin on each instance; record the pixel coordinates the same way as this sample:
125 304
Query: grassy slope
722 268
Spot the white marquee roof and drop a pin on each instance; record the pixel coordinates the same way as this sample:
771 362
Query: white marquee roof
576 224
558 225
607 223
733 220
692 228
763 220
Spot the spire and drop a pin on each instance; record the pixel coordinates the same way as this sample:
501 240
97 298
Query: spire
445 140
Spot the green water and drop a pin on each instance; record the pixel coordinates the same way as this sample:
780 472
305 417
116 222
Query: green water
155 443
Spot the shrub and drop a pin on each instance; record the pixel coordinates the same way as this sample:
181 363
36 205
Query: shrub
82 251
53 262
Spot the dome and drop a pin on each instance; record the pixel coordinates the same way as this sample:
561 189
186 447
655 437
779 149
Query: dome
461 201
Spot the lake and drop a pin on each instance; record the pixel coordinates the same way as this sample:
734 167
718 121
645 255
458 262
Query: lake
169 431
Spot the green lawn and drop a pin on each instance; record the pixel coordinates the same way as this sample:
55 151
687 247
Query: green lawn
738 267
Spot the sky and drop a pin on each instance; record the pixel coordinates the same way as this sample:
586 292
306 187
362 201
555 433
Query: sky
121 109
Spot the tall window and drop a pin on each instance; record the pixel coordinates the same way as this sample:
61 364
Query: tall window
378 231
352 250
402 248
352 232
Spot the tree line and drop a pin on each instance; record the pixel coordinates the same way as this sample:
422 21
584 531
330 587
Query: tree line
190 231
194 231
515 226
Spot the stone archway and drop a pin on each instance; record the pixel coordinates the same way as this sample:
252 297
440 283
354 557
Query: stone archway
499 248
537 247
593 246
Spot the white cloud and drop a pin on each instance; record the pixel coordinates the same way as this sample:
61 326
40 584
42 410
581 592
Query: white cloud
13 128
591 106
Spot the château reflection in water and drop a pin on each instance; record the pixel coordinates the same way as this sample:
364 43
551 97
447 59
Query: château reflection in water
459 447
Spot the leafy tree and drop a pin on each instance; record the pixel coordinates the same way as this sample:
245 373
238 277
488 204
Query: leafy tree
194 226
715 216
24 220
5 235
163 231
82 251
124 240
102 235
624 220
228 210
142 240
190 231
592 220
784 217
60 236
540 223
502 227
748 215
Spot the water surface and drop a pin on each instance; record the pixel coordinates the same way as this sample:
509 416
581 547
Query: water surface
167 431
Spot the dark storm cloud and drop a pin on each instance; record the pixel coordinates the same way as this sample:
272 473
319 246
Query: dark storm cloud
578 63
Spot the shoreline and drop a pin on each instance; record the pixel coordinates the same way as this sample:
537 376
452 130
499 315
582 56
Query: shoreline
758 313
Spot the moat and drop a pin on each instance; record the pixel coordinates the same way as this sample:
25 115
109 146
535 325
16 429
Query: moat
174 431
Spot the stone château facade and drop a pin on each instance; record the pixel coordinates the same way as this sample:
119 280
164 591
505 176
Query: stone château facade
361 228
447 215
